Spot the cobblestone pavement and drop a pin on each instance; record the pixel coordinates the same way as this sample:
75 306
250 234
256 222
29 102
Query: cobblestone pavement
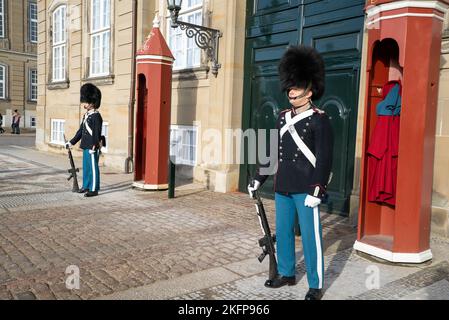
120 240
125 239
346 277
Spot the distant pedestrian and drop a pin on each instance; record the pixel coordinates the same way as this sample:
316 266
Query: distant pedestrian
15 124
1 123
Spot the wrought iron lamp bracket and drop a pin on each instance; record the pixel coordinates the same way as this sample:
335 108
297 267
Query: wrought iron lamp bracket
205 38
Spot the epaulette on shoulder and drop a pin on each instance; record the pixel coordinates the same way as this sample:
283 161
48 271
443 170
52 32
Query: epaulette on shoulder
319 111
282 113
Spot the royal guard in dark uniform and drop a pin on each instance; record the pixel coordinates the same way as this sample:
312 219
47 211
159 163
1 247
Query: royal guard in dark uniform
90 135
305 149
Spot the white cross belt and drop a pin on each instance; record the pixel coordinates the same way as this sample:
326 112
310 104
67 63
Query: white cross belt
290 127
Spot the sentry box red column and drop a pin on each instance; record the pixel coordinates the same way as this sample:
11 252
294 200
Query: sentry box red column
154 81
404 45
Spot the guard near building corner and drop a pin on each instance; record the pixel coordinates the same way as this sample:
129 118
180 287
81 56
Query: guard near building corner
90 135
305 140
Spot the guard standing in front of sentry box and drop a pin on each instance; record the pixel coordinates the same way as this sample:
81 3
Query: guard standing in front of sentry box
304 168
90 135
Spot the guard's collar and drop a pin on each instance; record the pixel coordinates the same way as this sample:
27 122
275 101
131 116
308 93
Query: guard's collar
299 110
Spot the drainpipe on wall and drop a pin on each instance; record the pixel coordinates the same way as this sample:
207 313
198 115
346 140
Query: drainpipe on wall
129 162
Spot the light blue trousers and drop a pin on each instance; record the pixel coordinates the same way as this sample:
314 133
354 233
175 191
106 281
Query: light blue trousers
91 172
311 234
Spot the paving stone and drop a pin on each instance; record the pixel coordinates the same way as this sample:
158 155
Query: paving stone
125 239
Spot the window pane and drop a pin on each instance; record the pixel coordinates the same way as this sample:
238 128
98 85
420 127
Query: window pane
186 52
100 55
56 27
62 63
2 27
183 144
95 15
192 3
59 25
62 18
33 22
33 11
101 14
57 130
95 53
105 56
106 14
59 62
33 85
61 133
55 63
52 133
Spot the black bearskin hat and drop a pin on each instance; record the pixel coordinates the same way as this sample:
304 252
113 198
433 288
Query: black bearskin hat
300 67
89 93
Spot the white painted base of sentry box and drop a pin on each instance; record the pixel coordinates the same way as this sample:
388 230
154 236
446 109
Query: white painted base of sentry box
393 256
150 187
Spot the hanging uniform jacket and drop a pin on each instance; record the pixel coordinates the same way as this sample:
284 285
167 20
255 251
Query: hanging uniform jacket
305 149
90 131
384 146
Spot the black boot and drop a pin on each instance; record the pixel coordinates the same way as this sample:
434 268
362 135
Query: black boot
314 294
280 281
83 190
91 194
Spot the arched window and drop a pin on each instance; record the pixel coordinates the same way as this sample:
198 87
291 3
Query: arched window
100 38
59 44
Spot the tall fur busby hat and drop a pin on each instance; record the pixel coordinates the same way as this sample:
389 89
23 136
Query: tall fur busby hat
302 66
89 93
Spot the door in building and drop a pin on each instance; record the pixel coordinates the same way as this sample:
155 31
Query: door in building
335 29
271 27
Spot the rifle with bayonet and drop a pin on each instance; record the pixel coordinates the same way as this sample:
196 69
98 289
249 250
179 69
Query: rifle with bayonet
73 170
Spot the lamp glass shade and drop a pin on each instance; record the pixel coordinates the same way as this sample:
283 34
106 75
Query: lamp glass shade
174 4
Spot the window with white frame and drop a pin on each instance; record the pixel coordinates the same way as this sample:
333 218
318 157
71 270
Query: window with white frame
183 144
32 78
57 131
33 122
185 50
105 133
2 18
59 44
3 75
100 38
32 22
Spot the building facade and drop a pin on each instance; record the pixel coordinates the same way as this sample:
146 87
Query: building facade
209 112
18 60
84 41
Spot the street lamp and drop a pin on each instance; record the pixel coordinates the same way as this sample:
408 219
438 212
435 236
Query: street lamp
205 38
